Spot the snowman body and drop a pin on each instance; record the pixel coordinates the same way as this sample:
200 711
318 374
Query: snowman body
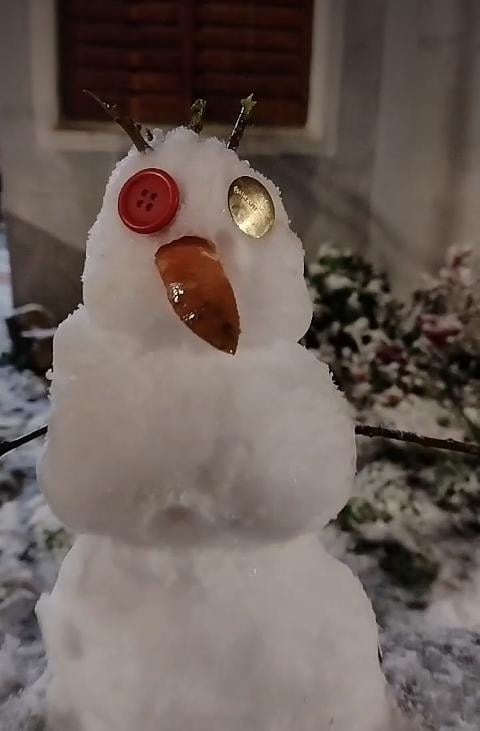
211 639
198 595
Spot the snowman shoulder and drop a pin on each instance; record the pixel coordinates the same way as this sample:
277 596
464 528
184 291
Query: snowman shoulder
300 377
79 345
299 435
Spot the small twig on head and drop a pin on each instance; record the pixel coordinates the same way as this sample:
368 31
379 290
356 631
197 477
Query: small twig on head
452 445
243 119
198 112
133 129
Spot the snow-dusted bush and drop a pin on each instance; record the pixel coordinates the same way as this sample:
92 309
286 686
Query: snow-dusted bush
384 351
414 365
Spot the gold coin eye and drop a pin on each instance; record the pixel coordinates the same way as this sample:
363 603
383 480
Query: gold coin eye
251 206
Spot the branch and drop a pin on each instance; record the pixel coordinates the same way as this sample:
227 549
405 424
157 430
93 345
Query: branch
198 112
7 446
243 119
132 129
452 445
363 430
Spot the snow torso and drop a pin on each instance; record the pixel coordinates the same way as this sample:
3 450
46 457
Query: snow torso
168 446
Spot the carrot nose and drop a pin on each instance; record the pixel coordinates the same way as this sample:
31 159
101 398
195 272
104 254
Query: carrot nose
199 291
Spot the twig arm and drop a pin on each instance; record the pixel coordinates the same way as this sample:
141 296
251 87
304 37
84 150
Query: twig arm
452 445
8 445
364 430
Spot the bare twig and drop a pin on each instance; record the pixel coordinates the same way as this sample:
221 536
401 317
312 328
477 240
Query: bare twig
364 430
8 445
198 112
453 445
133 129
243 119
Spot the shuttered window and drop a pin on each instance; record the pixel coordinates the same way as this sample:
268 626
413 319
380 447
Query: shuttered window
155 57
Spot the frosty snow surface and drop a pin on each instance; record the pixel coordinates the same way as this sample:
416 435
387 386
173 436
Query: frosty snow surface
168 446
214 639
200 602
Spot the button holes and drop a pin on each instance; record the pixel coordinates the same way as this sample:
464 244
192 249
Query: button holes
139 203
149 206
153 196
144 192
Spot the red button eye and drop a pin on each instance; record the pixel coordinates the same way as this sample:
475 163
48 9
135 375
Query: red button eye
148 201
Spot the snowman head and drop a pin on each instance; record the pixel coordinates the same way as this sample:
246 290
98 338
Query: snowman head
193 247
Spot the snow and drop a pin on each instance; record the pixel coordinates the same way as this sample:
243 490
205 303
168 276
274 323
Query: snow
5 290
118 260
235 639
210 447
199 595
413 413
448 662
425 657
22 667
461 610
334 281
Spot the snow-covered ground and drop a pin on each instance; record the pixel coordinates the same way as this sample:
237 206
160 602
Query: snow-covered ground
430 639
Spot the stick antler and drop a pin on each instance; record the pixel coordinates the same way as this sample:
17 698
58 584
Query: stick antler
198 112
243 119
133 129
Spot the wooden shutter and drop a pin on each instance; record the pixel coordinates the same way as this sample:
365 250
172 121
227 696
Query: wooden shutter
126 51
253 45
155 57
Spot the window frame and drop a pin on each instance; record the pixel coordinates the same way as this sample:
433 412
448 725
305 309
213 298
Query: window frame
317 136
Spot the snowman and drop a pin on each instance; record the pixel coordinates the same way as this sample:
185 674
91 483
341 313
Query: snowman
196 450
